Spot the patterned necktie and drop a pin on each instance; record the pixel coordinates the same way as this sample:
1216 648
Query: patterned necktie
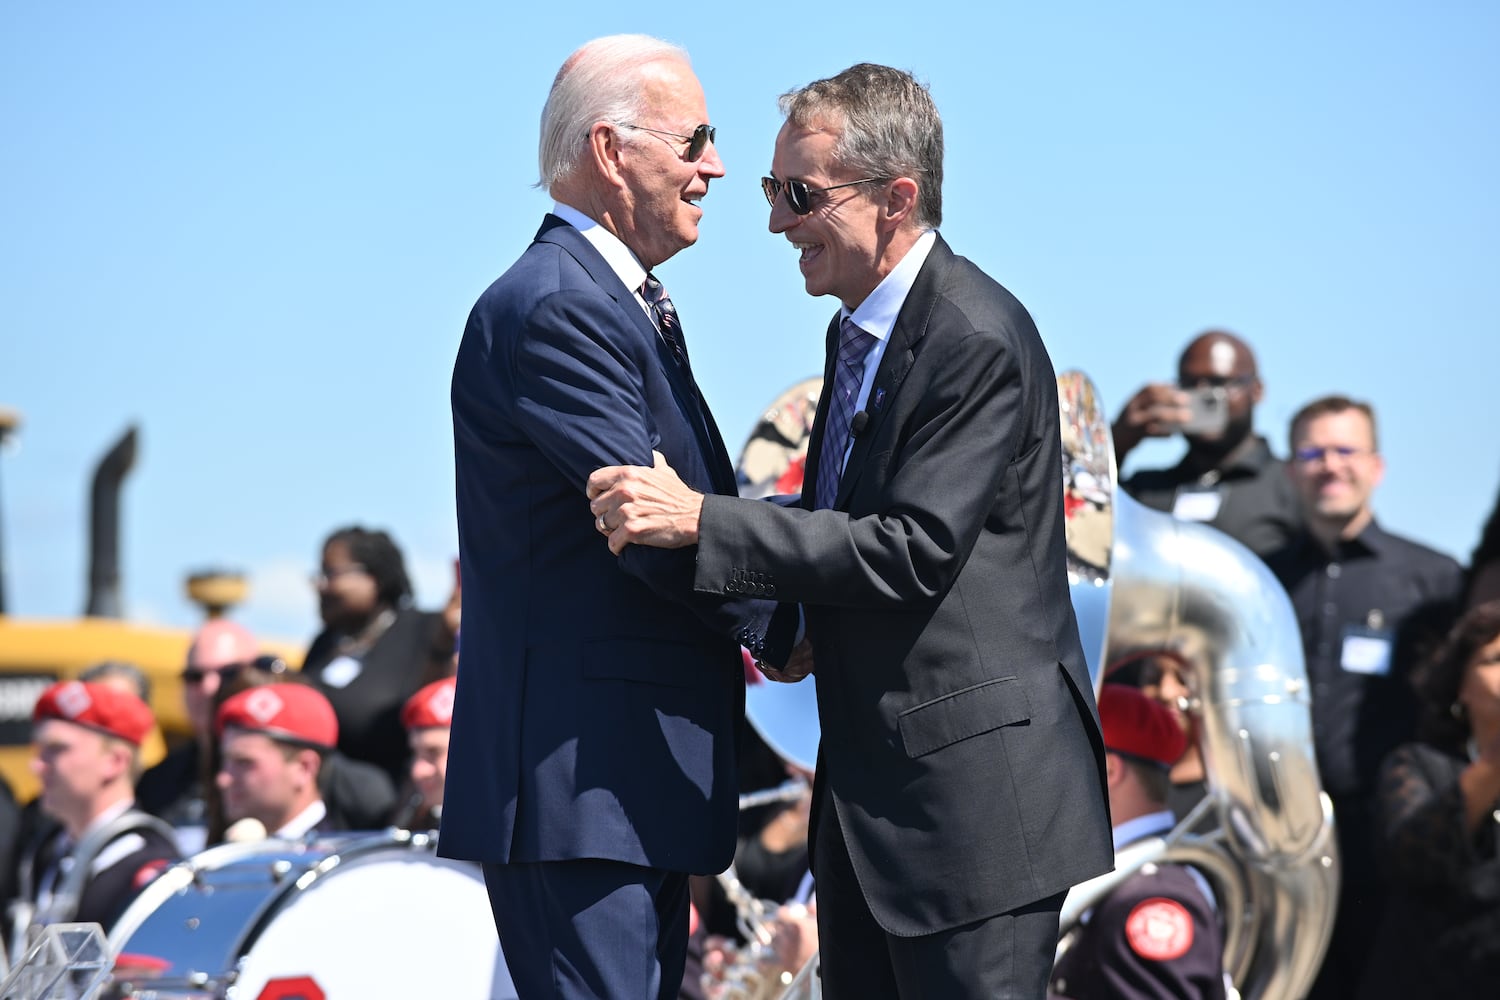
664 314
848 373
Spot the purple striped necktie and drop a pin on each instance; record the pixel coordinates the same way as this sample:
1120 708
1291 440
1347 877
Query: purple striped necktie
664 314
848 373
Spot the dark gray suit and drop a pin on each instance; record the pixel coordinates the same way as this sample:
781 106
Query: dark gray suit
960 740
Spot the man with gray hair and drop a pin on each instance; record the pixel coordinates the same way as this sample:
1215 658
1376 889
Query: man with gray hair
592 764
960 781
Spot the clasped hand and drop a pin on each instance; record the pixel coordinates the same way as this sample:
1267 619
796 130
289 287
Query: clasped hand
654 507
797 667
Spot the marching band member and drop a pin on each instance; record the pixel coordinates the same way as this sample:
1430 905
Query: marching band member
87 741
1156 934
273 740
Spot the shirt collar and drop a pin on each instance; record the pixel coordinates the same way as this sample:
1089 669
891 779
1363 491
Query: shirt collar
1249 457
877 314
1142 827
615 253
1372 540
304 821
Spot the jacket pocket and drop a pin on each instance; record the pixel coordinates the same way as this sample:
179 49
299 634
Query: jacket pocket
943 721
647 661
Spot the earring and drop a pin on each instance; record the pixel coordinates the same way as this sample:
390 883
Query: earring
1457 710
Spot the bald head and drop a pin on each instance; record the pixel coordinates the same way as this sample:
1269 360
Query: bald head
1222 362
1217 353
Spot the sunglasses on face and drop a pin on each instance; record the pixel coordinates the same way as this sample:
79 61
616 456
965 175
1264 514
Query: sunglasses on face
1215 381
697 142
799 195
195 675
265 663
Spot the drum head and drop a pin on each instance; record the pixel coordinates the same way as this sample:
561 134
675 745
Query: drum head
368 915
390 924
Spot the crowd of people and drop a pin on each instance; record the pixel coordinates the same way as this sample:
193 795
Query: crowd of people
966 779
1402 653
354 738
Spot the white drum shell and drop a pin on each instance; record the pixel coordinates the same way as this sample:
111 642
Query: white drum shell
364 915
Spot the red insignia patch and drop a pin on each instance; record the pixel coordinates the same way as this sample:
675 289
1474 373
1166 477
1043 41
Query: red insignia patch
1159 929
146 874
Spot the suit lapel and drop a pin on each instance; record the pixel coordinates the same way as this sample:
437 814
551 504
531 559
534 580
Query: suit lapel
684 391
900 354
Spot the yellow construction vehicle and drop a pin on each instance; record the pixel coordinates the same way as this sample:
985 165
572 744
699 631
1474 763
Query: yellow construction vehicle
36 652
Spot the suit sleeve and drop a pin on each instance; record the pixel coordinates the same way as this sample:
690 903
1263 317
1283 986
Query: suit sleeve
940 482
578 382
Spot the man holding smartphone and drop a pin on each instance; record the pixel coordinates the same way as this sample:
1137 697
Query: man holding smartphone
1228 478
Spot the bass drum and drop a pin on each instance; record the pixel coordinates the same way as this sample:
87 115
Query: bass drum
362 915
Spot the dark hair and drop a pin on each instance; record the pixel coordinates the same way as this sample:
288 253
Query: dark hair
1156 781
121 668
264 671
376 551
1130 668
1438 679
1488 549
888 127
1325 405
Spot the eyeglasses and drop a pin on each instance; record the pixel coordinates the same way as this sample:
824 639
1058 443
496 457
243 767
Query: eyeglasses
697 142
1215 381
195 675
1310 454
799 195
265 663
324 577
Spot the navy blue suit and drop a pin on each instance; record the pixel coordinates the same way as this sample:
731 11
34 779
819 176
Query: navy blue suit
597 696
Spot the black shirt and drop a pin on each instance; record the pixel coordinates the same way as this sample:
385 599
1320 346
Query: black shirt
1256 505
368 697
1441 935
1366 611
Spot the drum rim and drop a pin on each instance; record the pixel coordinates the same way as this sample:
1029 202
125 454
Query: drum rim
329 850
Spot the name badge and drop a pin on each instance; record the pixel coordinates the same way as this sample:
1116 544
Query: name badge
1366 651
1197 505
341 671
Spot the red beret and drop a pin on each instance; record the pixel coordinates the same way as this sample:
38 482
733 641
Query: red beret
1140 726
431 706
293 712
101 707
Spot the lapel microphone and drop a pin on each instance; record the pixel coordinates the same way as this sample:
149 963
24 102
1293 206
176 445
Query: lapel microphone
857 424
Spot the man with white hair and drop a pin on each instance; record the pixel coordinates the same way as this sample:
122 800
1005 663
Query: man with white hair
593 763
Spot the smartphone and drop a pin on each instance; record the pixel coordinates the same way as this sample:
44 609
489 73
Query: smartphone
1209 411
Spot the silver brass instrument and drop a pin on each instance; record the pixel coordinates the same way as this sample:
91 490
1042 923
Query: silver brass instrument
1140 579
755 973
1186 587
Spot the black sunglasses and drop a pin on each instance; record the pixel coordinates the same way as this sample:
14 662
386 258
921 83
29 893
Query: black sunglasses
799 195
265 663
1215 381
697 142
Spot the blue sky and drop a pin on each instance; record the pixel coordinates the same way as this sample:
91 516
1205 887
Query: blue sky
255 230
